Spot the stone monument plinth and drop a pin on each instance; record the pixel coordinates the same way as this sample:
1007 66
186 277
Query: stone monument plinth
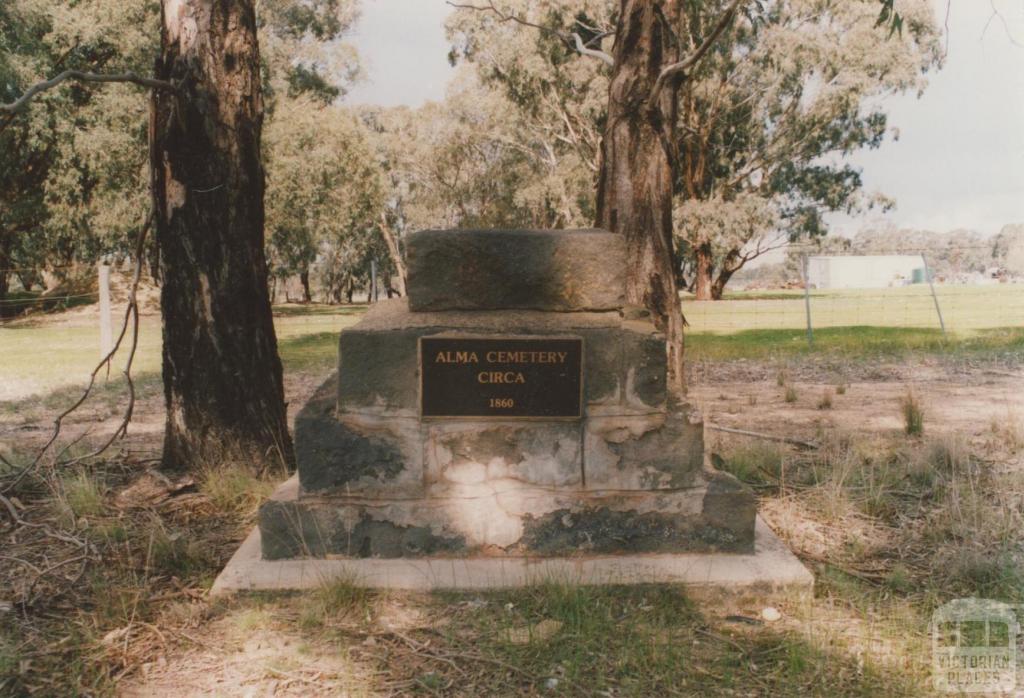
512 406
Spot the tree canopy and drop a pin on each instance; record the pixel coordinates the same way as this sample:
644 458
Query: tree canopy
766 120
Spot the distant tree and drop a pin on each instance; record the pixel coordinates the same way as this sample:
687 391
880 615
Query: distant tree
302 48
73 181
1008 249
324 186
553 101
768 118
453 164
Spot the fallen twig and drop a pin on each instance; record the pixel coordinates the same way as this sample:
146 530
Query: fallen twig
766 437
131 316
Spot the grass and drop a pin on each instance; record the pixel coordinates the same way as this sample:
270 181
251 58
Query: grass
307 336
81 494
913 414
235 487
47 358
901 524
334 599
924 519
755 463
964 308
790 394
825 401
855 342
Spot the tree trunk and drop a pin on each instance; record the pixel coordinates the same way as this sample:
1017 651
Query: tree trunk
732 263
5 265
703 264
635 183
222 374
28 279
391 240
350 291
307 294
718 288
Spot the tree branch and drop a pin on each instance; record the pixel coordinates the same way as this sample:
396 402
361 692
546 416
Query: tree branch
571 40
592 52
693 59
84 77
131 316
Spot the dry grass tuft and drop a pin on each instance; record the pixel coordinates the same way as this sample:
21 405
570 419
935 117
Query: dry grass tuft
913 414
235 487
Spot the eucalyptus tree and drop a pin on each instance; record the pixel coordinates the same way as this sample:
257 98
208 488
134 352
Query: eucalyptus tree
73 175
769 117
724 125
456 163
324 186
636 168
557 100
303 50
222 375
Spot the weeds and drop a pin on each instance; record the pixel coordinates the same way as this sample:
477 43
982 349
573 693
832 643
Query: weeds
981 572
176 553
1009 431
758 463
79 495
825 403
913 414
334 599
790 394
235 487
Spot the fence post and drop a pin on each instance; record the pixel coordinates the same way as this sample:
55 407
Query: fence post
807 300
106 330
931 285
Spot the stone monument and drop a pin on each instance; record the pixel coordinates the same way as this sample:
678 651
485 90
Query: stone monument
512 406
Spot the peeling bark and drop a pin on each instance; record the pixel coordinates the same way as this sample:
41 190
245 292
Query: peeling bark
635 183
222 375
703 268
391 240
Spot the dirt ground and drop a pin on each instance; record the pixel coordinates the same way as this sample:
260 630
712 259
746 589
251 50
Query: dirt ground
964 401
261 646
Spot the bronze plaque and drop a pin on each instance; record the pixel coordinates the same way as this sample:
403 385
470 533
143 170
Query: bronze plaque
502 378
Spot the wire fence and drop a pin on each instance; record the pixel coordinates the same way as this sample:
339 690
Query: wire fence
964 309
46 351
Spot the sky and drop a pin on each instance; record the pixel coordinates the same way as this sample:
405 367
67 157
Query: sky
959 160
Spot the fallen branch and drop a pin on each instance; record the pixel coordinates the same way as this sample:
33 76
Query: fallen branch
131 316
84 77
766 437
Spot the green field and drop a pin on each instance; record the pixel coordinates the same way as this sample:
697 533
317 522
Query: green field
41 357
964 309
38 358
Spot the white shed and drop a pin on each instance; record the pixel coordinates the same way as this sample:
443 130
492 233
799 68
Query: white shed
869 271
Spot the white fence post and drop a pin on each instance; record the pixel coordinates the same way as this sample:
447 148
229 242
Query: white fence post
106 329
807 301
931 285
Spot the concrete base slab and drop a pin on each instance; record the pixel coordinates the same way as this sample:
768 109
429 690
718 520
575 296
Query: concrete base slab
772 568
